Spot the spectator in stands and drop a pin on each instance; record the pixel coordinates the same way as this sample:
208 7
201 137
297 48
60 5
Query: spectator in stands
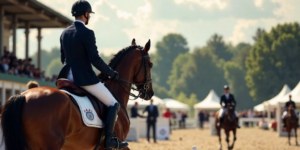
134 111
21 70
2 64
250 114
168 115
32 84
201 119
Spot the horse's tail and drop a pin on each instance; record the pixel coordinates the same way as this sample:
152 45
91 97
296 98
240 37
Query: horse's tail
11 124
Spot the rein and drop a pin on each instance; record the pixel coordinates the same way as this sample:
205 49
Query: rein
141 91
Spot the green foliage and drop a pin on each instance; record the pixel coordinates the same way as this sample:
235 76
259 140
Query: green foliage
241 52
54 67
46 57
258 34
274 61
235 75
160 91
197 73
167 50
219 48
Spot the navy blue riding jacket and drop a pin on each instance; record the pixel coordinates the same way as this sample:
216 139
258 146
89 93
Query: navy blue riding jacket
78 52
226 101
287 104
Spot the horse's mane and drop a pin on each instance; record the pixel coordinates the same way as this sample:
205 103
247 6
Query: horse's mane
113 63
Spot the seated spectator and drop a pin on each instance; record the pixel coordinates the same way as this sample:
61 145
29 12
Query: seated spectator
36 73
21 70
2 64
11 71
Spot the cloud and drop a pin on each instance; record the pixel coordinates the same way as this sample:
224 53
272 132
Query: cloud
207 4
238 33
258 3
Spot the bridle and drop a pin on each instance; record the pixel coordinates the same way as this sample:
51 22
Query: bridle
145 84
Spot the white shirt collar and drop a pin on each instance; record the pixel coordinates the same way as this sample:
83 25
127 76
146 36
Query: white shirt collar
80 21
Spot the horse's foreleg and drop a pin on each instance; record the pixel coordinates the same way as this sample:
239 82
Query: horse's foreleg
227 139
234 138
289 136
218 132
296 136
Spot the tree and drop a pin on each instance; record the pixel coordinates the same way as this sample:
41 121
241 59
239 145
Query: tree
241 52
197 73
54 67
258 34
167 50
218 47
274 61
46 57
235 76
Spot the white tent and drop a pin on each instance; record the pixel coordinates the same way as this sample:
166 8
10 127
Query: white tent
273 102
211 102
260 107
143 103
175 105
295 93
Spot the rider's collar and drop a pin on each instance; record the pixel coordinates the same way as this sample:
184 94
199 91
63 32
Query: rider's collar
80 21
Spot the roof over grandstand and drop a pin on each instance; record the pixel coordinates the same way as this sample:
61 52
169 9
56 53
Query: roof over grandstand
38 14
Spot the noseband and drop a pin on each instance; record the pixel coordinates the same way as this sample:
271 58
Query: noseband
144 84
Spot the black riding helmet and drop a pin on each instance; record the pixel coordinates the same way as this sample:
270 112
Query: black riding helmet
80 7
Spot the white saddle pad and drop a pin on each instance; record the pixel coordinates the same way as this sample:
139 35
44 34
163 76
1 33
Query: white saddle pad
88 113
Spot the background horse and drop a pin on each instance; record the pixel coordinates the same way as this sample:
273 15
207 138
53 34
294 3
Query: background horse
291 122
229 123
45 118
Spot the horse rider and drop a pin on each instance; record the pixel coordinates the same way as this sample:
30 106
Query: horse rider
287 104
226 98
78 52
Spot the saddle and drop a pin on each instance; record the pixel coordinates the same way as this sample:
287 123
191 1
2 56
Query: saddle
67 85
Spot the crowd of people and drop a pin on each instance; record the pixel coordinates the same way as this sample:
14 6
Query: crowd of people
12 65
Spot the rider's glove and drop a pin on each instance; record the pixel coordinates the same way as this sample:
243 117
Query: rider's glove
116 76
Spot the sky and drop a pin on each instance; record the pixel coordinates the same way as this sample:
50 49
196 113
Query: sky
117 22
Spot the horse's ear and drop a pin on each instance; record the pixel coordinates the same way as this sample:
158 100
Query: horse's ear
147 46
133 42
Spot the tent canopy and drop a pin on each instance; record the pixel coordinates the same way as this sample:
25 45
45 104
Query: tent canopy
273 102
295 93
175 105
260 107
143 103
211 102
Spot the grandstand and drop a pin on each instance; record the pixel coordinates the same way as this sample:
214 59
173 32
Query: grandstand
24 14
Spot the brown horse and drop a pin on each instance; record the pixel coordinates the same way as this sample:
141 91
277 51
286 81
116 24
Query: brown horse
229 123
291 122
46 119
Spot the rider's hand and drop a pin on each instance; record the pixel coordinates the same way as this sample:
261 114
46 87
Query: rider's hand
116 76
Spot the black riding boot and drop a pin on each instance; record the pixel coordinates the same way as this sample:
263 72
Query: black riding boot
237 120
220 122
111 141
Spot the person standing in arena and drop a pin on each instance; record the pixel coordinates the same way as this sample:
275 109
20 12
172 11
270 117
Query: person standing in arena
78 51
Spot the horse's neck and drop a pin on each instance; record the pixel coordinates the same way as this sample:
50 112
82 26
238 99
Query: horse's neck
116 89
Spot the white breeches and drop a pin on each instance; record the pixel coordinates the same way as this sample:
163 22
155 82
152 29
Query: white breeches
222 112
285 113
99 91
